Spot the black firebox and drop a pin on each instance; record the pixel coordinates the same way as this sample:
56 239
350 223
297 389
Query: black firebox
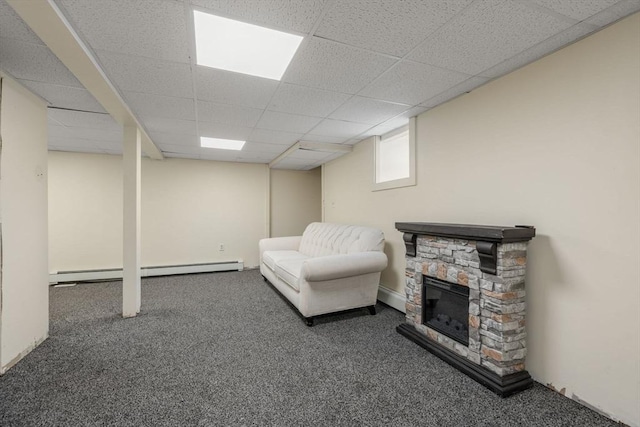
445 308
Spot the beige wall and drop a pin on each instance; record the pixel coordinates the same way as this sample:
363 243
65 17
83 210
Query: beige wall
189 208
85 211
24 296
296 201
555 145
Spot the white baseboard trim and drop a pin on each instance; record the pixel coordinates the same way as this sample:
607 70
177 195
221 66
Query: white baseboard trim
162 270
392 298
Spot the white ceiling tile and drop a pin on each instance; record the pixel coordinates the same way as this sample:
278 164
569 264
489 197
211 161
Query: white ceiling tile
64 96
576 9
151 28
333 156
147 75
220 130
309 155
192 150
235 156
305 100
273 120
109 146
367 110
13 27
275 137
233 88
83 119
615 12
34 62
75 149
313 166
94 134
257 156
354 141
339 128
180 155
310 137
411 83
538 51
262 160
229 114
293 163
155 124
391 27
415 111
292 15
147 105
381 129
53 122
332 66
485 34
143 46
391 124
250 157
455 91
262 147
183 140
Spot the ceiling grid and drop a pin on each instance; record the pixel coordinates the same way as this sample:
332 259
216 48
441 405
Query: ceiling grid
363 68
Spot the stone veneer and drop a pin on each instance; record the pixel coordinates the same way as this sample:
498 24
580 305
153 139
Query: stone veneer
497 334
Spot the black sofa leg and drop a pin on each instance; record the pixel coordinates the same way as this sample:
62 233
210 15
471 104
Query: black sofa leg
265 279
372 310
308 321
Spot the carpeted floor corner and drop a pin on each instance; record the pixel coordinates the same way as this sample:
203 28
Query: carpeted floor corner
223 349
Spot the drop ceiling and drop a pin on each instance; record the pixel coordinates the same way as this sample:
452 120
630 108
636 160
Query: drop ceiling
363 68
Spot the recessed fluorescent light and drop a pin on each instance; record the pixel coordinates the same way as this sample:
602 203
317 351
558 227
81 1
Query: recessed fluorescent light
243 48
222 144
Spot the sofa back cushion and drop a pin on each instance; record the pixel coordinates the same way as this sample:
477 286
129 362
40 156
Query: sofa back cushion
323 238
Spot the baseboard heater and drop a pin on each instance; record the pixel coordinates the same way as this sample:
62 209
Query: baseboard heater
160 270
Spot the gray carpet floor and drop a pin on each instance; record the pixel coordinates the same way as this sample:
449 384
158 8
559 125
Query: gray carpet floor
224 349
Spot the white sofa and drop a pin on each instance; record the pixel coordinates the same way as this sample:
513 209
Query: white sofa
330 268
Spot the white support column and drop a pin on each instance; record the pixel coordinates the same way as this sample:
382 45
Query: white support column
131 159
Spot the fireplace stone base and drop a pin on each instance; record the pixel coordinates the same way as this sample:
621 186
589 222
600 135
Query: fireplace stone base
502 386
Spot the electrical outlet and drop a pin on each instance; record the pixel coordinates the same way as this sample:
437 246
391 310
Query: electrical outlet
221 247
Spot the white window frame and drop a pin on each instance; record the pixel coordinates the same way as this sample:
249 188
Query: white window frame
403 182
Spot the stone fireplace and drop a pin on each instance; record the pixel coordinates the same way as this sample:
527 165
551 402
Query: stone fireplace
466 299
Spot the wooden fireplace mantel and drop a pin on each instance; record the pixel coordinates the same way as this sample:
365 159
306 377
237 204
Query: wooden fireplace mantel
486 236
488 233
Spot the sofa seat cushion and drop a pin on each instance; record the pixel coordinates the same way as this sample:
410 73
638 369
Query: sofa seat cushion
288 270
272 258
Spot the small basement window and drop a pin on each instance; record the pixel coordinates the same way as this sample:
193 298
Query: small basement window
395 154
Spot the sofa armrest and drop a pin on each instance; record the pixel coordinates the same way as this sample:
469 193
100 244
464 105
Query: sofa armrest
339 266
289 243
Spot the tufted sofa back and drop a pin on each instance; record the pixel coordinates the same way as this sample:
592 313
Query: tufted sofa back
324 238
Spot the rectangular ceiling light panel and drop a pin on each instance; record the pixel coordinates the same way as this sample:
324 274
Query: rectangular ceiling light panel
243 48
222 144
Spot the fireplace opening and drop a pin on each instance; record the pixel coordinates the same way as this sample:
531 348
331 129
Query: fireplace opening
445 308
